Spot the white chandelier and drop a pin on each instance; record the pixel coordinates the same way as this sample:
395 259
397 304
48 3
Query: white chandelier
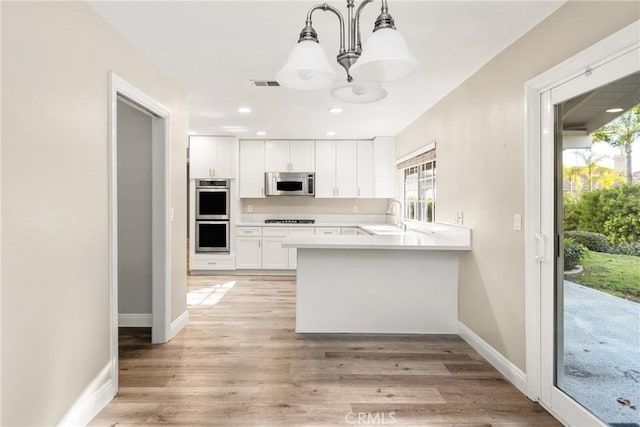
384 57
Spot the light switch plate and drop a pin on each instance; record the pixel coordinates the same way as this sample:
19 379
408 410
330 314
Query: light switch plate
460 217
517 222
249 208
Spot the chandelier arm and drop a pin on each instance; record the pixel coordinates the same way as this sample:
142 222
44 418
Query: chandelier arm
327 7
356 25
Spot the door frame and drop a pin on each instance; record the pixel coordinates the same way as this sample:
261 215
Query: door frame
586 70
161 227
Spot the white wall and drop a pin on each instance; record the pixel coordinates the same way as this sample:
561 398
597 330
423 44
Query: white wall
56 57
479 129
134 210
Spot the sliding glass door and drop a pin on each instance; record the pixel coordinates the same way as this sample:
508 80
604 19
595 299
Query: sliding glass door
591 284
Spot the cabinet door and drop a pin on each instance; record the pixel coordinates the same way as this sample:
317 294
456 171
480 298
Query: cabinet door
276 156
224 158
346 169
325 168
385 167
251 169
364 169
202 154
302 156
274 256
248 252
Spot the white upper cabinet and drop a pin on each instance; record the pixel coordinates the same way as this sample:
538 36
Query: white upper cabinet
276 156
364 169
211 157
336 169
289 156
346 185
252 159
302 156
384 160
325 169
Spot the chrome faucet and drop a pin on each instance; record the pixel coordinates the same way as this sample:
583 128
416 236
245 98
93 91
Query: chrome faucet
398 221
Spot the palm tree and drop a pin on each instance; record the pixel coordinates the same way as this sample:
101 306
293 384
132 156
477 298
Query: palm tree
591 169
622 132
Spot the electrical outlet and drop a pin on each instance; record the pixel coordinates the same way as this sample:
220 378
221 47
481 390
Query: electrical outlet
460 217
517 222
249 208
355 209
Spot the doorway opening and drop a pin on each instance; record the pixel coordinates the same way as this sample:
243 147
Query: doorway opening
555 328
140 234
597 289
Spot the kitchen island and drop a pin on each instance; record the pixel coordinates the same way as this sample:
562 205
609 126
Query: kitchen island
390 282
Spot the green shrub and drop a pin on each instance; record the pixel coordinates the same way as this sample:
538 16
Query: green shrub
592 241
614 212
628 249
573 253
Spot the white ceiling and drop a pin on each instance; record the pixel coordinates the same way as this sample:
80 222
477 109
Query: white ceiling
214 48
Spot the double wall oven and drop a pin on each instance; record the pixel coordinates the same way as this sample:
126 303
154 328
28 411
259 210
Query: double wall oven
212 215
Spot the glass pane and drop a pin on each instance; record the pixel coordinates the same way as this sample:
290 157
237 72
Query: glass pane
598 252
212 202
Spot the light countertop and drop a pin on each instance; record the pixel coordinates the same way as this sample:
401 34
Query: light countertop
447 238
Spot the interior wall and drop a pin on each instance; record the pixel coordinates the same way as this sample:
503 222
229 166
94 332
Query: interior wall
56 59
479 129
309 205
134 210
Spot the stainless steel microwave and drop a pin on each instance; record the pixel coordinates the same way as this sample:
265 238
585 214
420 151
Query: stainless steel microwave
289 183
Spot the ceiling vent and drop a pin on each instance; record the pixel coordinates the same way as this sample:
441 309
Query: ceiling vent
264 83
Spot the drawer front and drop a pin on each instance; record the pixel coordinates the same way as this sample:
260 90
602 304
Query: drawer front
228 263
327 231
349 231
248 231
275 231
301 231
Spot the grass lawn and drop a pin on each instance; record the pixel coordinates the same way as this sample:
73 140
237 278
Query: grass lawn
617 275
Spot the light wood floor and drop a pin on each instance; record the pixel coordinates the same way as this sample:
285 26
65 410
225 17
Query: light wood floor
239 362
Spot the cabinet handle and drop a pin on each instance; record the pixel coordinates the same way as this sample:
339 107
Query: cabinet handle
212 263
214 172
337 191
358 192
259 243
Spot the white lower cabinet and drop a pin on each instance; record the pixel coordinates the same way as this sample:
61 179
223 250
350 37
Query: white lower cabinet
327 231
248 247
274 256
249 252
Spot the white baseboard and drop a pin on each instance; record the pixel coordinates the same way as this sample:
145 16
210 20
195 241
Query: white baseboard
135 320
178 324
91 401
510 371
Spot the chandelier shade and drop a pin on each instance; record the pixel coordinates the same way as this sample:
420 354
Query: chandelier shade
359 92
307 68
385 57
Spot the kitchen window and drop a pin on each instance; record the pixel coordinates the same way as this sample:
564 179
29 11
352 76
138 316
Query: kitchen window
419 175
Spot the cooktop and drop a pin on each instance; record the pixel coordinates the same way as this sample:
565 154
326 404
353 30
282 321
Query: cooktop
289 221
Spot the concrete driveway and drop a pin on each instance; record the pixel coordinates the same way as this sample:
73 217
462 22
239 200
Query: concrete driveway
602 353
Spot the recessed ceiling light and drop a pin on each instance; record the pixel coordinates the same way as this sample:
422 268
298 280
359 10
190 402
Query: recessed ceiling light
244 110
614 110
330 133
261 133
335 110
